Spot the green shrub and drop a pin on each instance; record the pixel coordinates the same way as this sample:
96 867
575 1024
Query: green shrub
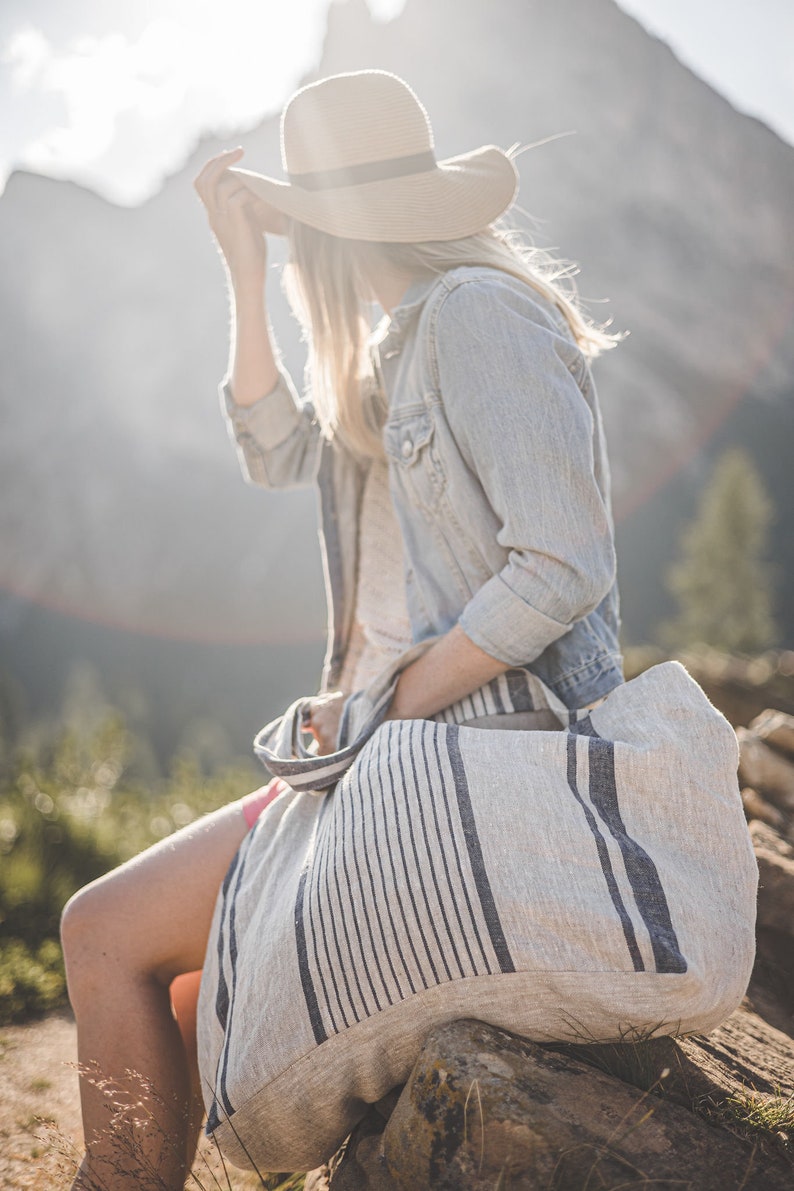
31 980
70 809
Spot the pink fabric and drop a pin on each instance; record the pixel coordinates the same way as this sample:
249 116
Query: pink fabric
255 803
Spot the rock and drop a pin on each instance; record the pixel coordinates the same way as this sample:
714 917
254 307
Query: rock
775 728
776 878
765 770
360 1164
484 1108
771 990
757 807
745 1051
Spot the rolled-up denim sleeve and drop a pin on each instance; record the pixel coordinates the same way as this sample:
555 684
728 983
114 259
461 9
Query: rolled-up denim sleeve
525 429
277 437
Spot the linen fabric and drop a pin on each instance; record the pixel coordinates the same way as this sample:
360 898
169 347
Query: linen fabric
498 474
593 882
381 629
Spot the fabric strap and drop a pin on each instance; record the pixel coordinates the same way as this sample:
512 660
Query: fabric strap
281 748
367 171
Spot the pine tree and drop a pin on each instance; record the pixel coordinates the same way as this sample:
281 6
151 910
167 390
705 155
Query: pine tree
721 581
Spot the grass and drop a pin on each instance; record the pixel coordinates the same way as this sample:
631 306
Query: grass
209 1172
136 1116
758 1114
31 979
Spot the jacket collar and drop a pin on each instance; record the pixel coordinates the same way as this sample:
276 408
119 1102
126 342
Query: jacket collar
391 329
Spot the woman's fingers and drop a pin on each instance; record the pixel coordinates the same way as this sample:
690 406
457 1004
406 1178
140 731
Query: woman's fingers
216 186
238 218
323 719
208 176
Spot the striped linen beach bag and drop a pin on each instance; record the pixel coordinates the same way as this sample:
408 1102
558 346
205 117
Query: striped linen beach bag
585 875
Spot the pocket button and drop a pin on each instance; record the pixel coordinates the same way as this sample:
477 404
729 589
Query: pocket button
407 448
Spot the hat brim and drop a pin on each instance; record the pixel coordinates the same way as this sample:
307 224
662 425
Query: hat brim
458 198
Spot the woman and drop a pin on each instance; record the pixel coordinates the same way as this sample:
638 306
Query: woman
464 497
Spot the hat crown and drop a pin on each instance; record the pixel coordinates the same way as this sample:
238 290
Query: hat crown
352 119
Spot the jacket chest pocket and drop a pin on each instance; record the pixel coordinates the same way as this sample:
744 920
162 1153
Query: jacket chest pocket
410 445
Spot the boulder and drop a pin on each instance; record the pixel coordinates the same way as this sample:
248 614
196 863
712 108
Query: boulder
757 807
765 770
775 728
776 878
484 1108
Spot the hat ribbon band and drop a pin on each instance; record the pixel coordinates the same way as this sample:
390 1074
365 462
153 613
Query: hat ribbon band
368 171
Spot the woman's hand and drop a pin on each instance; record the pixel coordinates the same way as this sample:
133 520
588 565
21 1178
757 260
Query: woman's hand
452 668
323 719
238 218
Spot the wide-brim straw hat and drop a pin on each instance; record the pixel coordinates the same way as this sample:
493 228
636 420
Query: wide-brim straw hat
360 162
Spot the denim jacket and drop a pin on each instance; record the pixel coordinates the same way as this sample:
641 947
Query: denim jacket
498 475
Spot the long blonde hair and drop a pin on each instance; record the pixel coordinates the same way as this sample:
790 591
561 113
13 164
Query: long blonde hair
327 280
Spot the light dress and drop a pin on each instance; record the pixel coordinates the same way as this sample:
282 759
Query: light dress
381 627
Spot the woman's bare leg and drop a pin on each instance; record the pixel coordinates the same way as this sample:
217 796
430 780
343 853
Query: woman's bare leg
125 937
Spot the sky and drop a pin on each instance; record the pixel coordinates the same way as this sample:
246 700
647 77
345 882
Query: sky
115 95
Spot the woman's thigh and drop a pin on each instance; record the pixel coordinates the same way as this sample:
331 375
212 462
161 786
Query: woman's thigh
152 915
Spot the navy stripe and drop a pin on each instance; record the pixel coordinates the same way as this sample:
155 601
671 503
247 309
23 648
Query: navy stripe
316 870
409 930
442 852
476 861
358 787
518 687
324 866
213 1120
341 795
406 729
412 746
348 905
583 727
377 853
244 847
497 696
390 855
386 850
222 992
408 882
463 881
346 962
641 871
606 863
309 994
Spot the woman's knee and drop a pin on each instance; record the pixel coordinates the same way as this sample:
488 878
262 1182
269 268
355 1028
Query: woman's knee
83 919
90 937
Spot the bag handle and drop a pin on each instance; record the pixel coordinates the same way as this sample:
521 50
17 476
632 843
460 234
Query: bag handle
281 748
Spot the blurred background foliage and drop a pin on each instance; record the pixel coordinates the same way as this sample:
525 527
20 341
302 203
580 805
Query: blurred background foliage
76 799
722 583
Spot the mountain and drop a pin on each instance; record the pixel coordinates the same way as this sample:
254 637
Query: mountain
122 502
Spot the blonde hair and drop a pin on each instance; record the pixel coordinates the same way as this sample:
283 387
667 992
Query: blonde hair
328 283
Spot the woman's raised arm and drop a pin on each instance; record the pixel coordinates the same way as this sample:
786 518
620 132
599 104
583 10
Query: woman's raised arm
277 437
238 221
